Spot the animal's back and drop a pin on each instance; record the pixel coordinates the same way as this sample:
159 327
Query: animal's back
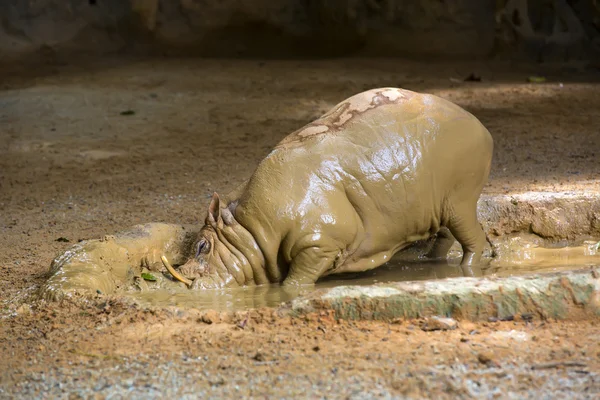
391 129
383 138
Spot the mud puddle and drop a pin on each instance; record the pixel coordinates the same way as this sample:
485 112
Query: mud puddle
516 260
238 299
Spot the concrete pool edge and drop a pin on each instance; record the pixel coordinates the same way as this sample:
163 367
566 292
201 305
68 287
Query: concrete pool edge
549 215
567 295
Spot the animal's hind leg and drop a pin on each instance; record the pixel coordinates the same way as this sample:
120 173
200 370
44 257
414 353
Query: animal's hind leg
442 244
463 224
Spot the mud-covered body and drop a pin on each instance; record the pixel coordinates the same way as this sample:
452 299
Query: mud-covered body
366 187
382 169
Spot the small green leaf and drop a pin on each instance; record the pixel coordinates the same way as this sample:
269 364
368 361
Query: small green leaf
128 112
148 277
536 79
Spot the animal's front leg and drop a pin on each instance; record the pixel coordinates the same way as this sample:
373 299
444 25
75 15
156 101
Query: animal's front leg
309 265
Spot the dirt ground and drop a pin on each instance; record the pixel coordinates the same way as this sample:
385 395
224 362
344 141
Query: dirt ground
95 147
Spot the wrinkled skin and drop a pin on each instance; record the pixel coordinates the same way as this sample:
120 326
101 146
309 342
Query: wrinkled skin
381 170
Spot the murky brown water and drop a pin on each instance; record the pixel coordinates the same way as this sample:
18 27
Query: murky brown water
521 260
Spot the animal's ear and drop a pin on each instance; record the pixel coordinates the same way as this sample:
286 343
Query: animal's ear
214 209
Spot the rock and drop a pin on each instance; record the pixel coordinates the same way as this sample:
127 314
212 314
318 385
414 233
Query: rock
550 216
24 309
147 10
439 324
210 317
259 357
217 381
504 336
487 358
232 27
468 326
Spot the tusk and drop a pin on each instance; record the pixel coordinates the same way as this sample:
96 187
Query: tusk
175 274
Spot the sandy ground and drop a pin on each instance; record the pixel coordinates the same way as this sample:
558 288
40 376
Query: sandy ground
73 167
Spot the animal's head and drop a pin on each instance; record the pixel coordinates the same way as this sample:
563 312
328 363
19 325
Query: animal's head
218 255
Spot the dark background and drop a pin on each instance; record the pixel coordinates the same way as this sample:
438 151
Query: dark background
534 30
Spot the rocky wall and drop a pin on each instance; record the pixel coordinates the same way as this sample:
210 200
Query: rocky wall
540 31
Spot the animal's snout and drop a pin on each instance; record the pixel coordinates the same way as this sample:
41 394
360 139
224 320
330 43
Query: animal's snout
193 268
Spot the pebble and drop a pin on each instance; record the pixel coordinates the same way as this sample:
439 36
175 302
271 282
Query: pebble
468 326
519 336
24 309
439 324
487 358
210 317
259 356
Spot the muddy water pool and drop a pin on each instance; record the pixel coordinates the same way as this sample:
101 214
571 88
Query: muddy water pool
515 260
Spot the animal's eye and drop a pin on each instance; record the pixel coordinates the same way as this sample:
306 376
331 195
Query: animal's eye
203 247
